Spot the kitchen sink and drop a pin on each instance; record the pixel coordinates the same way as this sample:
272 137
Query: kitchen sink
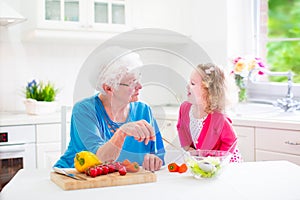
265 111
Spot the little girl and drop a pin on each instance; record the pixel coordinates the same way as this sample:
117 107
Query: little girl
202 123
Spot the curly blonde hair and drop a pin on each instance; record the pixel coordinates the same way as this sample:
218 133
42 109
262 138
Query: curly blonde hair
213 82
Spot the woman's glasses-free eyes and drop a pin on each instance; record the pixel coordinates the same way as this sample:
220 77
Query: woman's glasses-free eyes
131 85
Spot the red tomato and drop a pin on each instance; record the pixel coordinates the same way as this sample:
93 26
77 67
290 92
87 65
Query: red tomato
122 171
183 168
99 170
117 165
105 169
111 168
93 172
173 167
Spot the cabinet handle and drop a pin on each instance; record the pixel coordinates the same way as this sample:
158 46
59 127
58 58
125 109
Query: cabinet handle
292 143
169 124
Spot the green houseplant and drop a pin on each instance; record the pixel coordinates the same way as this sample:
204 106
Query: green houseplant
40 98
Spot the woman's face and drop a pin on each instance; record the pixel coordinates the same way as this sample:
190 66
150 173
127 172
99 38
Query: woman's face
128 89
195 89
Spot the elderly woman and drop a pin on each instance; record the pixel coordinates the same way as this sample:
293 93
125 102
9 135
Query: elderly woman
113 124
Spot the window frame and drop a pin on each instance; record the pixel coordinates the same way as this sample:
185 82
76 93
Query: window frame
262 90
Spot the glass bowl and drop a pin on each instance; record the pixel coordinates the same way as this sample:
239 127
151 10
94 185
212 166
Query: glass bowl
207 163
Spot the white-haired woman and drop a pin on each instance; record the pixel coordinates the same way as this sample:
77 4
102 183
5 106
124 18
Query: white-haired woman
113 124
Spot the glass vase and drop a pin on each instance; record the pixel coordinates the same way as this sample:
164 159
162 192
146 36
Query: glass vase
241 83
243 95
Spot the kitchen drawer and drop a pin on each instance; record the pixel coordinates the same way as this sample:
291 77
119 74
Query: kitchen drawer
246 142
24 133
262 155
278 140
48 133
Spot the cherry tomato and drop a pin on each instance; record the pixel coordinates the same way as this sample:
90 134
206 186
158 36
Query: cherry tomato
111 168
183 168
105 169
99 170
122 171
93 172
117 165
173 167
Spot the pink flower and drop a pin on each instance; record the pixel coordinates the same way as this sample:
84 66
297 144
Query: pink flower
236 60
244 65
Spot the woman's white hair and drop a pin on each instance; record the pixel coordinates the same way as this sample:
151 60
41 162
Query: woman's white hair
114 71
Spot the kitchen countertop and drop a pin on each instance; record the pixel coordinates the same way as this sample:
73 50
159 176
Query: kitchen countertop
248 180
21 118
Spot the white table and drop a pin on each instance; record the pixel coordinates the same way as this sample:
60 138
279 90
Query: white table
250 180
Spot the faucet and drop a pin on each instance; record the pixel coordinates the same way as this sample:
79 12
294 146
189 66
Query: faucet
288 104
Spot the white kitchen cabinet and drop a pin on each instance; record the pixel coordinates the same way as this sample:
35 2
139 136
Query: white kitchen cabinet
246 142
48 133
83 15
47 155
262 155
278 144
48 145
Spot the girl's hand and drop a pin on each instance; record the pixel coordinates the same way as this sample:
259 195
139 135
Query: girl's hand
188 148
152 162
140 130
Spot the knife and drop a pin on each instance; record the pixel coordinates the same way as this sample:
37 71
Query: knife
63 172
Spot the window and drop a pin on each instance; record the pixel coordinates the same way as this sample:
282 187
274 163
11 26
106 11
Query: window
83 14
55 9
109 12
274 47
279 33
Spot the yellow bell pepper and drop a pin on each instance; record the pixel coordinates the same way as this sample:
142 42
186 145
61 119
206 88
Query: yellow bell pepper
84 160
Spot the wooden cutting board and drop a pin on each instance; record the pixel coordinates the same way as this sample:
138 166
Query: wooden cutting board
112 179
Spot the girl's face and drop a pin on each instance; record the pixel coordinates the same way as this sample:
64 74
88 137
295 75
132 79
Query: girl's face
128 89
195 89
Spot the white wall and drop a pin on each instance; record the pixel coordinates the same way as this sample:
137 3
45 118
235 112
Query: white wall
240 35
60 60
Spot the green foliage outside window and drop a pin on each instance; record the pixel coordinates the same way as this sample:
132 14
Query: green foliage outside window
284 23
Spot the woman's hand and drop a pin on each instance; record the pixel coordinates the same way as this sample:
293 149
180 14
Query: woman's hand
140 130
152 162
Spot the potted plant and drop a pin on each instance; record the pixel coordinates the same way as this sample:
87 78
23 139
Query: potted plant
40 98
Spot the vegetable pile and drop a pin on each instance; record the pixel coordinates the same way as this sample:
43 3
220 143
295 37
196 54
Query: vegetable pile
104 169
88 163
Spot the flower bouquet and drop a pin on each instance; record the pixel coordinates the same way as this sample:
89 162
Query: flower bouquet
243 68
40 98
